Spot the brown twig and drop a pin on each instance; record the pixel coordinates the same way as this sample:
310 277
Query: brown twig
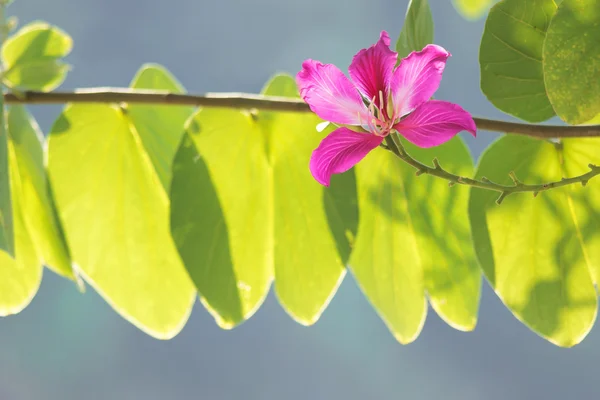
254 101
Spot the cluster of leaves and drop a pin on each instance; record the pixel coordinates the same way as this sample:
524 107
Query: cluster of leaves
156 205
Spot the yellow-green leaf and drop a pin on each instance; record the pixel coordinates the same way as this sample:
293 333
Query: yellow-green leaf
538 253
221 214
245 208
308 267
35 201
472 9
6 214
20 276
32 57
160 127
115 214
413 237
510 58
572 59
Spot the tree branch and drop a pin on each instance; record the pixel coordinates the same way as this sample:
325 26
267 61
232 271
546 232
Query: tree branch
393 144
254 101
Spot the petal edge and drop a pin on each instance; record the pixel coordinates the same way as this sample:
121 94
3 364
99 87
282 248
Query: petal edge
371 69
417 78
330 94
434 123
340 151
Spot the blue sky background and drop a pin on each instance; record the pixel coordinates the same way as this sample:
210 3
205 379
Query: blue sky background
68 345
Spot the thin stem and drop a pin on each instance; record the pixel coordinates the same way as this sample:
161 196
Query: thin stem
395 146
253 101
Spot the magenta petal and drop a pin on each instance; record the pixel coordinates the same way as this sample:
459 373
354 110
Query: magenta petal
417 78
330 94
435 122
339 152
371 69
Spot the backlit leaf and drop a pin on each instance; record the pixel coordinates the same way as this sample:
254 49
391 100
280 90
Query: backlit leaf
413 237
532 250
572 60
472 9
32 57
115 214
160 127
417 31
6 213
510 58
221 214
308 267
245 209
35 202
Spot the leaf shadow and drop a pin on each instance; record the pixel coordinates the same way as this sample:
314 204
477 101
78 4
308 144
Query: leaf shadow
431 223
341 209
40 41
196 218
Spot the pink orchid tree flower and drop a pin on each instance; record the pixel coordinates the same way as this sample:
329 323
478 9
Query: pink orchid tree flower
377 100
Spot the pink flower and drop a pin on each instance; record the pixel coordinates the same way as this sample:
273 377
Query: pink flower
378 100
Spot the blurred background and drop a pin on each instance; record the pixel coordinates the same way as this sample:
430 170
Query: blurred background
68 345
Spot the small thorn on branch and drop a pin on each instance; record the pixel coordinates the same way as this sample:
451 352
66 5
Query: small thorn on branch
436 164
514 178
450 184
484 179
502 197
420 172
535 194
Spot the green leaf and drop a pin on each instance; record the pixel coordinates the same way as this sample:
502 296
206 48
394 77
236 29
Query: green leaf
472 9
245 208
584 202
20 276
31 57
417 31
308 267
6 209
36 204
537 253
221 213
160 127
115 214
37 75
414 237
571 60
510 58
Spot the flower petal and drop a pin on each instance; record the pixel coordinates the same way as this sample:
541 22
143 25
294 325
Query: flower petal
417 78
371 69
435 122
339 152
330 94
